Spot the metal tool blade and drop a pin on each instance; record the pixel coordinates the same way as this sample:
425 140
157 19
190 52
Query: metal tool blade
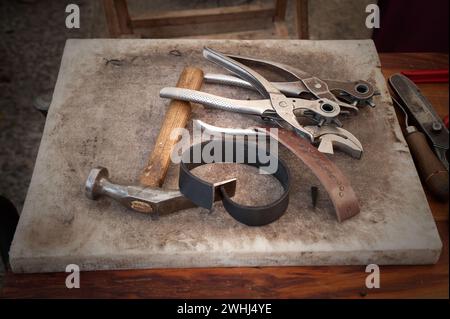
213 130
421 110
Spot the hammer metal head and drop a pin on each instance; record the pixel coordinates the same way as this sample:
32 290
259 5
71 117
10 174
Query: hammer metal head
143 199
93 187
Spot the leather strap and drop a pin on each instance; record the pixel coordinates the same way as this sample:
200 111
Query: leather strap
202 193
330 176
336 184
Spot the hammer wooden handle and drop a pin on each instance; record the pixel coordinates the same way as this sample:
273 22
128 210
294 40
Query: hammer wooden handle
177 116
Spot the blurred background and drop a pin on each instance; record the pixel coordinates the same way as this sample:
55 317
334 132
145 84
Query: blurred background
33 35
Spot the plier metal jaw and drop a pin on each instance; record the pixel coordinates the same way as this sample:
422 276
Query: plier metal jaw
275 106
329 137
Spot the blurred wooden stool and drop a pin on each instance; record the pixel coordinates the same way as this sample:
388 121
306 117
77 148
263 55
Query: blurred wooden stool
163 24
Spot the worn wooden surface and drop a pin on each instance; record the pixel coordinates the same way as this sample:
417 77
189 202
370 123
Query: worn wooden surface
302 19
122 25
344 281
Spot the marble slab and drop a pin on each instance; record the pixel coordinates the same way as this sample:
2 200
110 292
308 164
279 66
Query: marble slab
106 111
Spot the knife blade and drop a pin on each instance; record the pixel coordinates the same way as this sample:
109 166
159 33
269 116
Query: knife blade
423 113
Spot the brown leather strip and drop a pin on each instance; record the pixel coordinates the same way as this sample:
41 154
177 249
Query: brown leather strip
334 181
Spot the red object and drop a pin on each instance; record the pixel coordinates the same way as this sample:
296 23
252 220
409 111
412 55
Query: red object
427 76
446 121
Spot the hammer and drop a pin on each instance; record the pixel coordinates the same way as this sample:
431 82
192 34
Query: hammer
148 197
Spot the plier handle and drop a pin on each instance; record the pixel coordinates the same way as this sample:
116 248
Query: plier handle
348 94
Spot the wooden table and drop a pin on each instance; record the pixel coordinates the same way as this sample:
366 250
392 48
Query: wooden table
268 282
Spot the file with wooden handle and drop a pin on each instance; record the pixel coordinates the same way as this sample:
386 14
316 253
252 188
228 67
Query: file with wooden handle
431 162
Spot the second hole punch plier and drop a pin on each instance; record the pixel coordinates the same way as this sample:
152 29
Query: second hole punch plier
277 107
348 94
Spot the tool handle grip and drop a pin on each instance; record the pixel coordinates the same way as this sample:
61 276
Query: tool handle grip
177 116
430 168
254 107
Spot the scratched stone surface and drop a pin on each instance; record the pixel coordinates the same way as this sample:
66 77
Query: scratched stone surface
106 111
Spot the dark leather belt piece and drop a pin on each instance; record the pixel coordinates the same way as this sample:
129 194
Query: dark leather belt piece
203 193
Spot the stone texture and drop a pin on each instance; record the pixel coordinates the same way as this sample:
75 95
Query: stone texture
33 36
106 111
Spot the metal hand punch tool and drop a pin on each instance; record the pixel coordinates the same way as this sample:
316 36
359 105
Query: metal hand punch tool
277 107
348 94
